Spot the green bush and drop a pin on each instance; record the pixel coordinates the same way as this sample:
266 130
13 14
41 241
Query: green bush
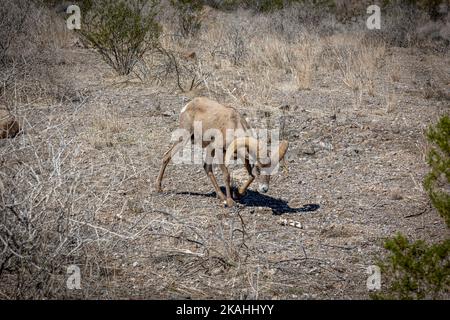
416 270
430 6
256 5
352 7
121 31
189 15
437 182
223 4
268 5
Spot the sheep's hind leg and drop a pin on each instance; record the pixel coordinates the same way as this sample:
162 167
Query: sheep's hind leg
207 165
177 146
209 172
226 177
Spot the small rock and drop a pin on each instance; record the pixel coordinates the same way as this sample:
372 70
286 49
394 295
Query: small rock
351 151
396 195
396 130
308 150
167 113
326 145
9 126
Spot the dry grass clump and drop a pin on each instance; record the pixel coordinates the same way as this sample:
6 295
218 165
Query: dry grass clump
437 83
392 101
39 195
401 24
240 57
106 128
53 204
233 59
306 64
357 61
30 53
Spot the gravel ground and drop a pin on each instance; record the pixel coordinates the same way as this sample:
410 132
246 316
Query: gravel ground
354 176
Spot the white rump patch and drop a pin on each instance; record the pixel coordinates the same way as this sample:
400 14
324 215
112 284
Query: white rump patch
184 108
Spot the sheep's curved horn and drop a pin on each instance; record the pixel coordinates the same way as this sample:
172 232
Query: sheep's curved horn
246 148
280 153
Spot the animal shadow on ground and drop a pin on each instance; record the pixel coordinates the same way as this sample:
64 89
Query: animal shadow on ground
256 199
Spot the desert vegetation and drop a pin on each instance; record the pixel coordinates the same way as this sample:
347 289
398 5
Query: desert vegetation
86 115
417 270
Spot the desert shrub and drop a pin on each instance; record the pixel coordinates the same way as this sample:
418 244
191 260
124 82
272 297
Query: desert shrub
30 36
401 23
13 17
47 216
256 5
223 4
61 5
14 25
189 16
358 61
35 236
183 69
432 7
13 21
437 182
121 31
266 5
416 270
237 46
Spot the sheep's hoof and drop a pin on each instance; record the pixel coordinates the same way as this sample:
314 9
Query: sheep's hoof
238 195
158 189
229 203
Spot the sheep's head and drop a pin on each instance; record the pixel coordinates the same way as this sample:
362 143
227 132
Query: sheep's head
267 166
263 163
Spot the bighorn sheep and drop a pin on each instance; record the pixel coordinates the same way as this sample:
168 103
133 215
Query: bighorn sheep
224 119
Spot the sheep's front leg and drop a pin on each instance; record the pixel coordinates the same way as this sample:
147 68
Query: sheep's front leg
227 179
243 189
